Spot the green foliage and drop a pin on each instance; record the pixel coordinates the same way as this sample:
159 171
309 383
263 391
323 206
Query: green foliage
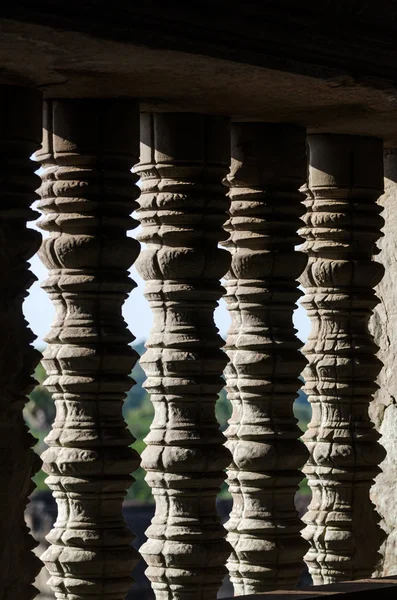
138 413
39 480
302 412
223 410
138 419
304 489
39 414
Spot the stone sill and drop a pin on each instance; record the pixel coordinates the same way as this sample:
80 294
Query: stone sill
385 589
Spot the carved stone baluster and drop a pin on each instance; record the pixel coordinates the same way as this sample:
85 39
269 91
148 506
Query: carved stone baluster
182 210
20 135
268 167
342 227
88 194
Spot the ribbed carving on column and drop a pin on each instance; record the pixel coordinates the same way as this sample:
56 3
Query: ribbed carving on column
268 167
342 227
88 194
182 209
20 135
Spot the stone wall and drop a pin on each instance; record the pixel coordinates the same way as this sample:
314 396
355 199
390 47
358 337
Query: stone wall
383 410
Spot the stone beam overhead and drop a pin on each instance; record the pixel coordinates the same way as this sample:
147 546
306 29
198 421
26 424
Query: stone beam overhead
354 38
324 76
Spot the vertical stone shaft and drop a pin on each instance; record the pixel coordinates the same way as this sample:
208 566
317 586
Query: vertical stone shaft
183 207
88 194
20 134
342 225
262 378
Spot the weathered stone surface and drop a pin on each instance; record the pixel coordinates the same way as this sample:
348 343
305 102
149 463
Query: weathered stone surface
20 135
88 194
384 589
342 227
182 210
268 168
383 410
329 65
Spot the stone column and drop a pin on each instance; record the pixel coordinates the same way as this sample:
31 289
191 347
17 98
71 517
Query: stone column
182 210
88 194
383 410
20 134
268 167
342 227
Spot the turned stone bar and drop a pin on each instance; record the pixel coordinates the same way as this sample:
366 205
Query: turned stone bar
20 135
342 226
183 207
262 378
87 196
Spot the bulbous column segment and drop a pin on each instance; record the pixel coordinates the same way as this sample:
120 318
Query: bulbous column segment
262 378
88 194
342 225
183 207
20 135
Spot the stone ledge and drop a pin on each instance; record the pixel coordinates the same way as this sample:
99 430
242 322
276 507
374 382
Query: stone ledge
385 588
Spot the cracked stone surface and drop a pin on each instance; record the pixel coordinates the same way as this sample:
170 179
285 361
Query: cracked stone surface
383 410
